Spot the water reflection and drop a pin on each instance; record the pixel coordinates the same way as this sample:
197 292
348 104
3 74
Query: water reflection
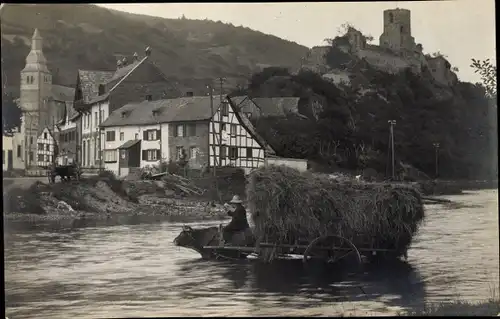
90 269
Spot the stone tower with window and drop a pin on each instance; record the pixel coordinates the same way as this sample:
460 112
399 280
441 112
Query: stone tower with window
397 30
35 98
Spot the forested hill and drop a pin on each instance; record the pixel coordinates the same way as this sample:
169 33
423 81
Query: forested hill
190 52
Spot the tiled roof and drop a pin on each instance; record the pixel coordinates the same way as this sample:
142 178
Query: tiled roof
63 93
248 125
90 80
171 110
273 106
121 72
129 144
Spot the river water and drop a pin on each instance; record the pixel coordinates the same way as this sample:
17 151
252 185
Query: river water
135 270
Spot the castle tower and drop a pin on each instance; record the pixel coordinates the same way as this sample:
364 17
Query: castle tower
397 30
36 87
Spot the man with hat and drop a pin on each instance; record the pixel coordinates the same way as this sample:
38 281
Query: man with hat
239 220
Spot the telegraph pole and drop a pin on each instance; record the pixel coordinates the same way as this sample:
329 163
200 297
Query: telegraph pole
436 151
392 123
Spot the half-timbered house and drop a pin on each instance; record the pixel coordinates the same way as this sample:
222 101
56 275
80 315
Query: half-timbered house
45 148
207 131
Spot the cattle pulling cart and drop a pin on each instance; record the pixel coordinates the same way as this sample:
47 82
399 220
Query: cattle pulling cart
65 172
330 249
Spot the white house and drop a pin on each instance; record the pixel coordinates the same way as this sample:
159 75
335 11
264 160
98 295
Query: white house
92 139
208 134
12 151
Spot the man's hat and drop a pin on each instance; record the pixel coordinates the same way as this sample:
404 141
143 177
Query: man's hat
236 200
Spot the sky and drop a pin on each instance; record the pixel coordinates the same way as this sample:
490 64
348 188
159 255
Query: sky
460 29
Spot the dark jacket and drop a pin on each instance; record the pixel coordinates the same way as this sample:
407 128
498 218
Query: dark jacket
239 220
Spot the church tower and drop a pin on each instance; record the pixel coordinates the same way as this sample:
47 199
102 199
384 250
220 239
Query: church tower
397 30
36 87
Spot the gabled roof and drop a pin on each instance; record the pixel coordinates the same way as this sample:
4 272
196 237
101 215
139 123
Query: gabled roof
248 125
62 93
268 106
125 70
184 109
90 80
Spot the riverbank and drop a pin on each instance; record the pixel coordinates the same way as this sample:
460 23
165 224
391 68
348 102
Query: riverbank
103 199
487 308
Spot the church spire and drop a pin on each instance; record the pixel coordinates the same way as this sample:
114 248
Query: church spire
35 61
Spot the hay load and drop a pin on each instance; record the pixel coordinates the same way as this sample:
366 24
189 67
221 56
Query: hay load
288 207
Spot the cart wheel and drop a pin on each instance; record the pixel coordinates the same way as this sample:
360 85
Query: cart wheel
332 249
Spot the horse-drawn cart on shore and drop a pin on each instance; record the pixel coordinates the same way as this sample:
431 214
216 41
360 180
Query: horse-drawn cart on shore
65 172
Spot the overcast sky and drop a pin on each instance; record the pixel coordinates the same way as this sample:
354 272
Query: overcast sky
460 29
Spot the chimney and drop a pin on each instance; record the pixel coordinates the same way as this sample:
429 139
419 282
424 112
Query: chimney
136 56
148 51
189 94
124 61
118 64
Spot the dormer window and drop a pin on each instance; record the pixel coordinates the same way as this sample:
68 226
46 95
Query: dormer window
124 114
101 89
149 97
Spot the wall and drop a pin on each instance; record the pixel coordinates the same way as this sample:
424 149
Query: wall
68 141
129 133
242 140
7 145
383 60
200 141
91 120
299 164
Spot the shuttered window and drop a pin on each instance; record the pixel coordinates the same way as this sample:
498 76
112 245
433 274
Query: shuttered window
151 155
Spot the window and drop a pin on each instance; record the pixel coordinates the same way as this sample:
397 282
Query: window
47 158
225 109
96 119
110 156
223 151
40 146
193 152
401 28
31 140
101 113
110 136
101 89
391 17
151 155
45 135
179 130
233 152
50 158
151 135
248 114
40 157
191 129
122 136
47 147
136 137
249 152
31 156
85 121
233 129
179 150
19 152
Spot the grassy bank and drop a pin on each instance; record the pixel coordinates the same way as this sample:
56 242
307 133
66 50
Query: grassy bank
458 308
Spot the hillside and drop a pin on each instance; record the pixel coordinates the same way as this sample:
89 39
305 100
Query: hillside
190 52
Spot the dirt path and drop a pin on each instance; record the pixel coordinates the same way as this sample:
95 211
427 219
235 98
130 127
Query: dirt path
21 182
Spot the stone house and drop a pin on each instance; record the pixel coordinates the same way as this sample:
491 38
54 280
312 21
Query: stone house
206 132
99 93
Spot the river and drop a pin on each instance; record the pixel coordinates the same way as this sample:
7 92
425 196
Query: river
135 270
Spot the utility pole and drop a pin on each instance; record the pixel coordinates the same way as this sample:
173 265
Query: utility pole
436 150
392 123
213 129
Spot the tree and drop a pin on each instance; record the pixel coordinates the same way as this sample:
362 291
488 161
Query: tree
488 73
11 113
